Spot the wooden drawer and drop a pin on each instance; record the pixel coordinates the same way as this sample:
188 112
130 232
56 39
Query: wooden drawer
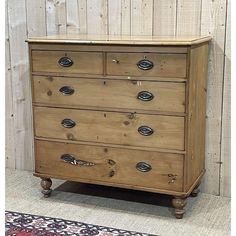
165 65
110 127
82 62
125 94
111 165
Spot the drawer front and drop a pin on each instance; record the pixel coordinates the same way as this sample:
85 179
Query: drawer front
149 64
110 127
67 62
142 95
114 165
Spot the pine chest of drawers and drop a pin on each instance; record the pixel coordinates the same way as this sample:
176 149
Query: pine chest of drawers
126 112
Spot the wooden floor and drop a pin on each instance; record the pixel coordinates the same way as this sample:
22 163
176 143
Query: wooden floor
207 215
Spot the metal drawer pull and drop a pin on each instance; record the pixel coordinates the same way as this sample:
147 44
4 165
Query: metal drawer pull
65 62
68 123
145 130
143 167
68 158
145 96
66 90
145 64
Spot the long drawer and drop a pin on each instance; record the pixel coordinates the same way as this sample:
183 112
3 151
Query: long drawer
112 165
125 94
67 62
146 64
110 127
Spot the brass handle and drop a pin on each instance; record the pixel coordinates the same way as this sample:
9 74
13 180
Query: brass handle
145 96
66 90
145 64
68 123
65 62
68 158
143 167
145 130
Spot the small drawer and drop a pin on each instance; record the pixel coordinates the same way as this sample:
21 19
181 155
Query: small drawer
111 165
67 62
146 64
110 127
107 93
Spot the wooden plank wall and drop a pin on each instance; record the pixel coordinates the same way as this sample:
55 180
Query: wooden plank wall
126 17
225 180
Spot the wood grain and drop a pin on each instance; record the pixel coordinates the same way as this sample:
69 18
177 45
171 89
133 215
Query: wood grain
225 176
107 93
122 165
110 127
83 16
188 17
9 112
195 145
164 17
21 91
152 149
141 17
72 17
97 18
163 65
141 40
36 26
114 13
213 23
83 62
179 49
125 17
56 16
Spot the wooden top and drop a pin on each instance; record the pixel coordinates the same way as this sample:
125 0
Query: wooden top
121 40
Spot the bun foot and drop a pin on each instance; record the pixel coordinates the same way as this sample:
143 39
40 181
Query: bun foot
179 204
195 191
46 184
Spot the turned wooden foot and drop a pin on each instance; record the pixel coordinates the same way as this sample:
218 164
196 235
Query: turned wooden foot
46 184
195 191
179 204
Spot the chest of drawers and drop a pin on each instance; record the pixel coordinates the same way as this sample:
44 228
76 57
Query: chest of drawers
126 112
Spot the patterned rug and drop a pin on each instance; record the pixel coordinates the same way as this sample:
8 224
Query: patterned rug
20 224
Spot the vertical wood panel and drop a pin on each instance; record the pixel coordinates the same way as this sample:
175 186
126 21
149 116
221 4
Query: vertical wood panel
72 13
56 16
213 23
164 17
36 26
141 17
83 16
20 85
114 11
51 17
9 119
188 17
125 17
97 19
225 183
